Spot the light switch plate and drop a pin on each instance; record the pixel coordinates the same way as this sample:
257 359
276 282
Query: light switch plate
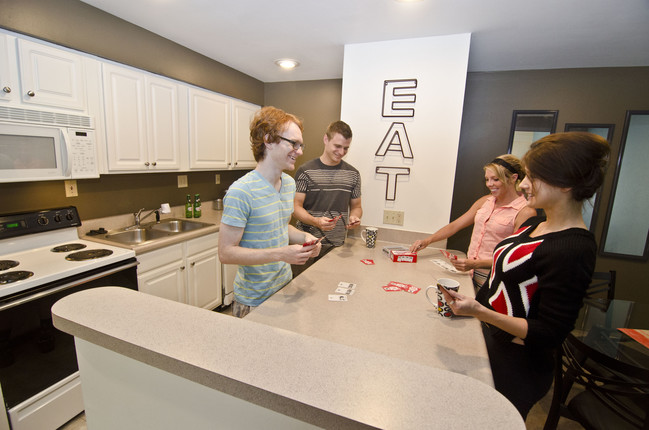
217 179
71 188
393 217
182 181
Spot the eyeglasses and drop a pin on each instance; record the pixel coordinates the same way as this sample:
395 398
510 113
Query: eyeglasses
296 145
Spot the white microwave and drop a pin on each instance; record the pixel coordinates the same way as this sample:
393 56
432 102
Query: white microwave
36 152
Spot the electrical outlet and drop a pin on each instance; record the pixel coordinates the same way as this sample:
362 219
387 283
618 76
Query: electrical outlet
71 188
217 179
182 181
393 217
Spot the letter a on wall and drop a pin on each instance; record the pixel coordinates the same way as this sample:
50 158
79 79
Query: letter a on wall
395 140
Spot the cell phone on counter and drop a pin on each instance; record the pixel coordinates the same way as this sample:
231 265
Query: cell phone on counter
312 242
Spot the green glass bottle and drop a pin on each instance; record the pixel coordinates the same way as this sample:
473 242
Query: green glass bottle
188 207
197 206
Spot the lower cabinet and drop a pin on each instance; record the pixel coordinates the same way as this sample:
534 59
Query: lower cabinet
188 272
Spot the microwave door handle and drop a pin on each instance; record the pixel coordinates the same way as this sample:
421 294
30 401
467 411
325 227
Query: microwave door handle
68 154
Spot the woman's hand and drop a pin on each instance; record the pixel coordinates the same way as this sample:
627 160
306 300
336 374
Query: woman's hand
463 264
461 304
418 245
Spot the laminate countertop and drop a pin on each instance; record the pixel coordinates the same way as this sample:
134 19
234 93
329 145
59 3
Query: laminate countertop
380 360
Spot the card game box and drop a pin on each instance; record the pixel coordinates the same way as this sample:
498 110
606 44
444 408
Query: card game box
399 254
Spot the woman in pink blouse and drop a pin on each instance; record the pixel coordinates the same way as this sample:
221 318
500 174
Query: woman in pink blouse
495 216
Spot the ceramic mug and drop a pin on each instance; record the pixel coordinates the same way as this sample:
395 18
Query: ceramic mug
442 307
370 236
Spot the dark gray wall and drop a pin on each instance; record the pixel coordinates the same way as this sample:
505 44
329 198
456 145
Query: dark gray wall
600 95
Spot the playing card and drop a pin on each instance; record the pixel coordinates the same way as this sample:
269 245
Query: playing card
337 297
346 285
391 288
343 290
367 262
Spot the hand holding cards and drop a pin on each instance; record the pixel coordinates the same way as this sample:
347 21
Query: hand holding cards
312 242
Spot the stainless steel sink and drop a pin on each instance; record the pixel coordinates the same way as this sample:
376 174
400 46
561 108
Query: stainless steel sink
178 225
135 236
149 232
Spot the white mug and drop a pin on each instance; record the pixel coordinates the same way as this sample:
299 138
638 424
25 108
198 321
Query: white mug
442 307
371 233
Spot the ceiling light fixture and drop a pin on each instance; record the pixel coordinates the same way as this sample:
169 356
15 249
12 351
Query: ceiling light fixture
287 63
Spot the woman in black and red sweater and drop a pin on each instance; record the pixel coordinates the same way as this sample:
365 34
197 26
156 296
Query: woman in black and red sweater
539 276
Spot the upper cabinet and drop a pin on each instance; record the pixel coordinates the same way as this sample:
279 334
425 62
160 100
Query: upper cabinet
143 120
51 77
209 130
242 114
219 131
8 78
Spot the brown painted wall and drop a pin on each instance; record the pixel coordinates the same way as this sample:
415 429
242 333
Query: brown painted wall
317 103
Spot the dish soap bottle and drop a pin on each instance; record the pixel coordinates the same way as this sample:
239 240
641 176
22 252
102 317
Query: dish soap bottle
188 207
197 206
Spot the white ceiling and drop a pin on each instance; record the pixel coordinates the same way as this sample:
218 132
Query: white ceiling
248 35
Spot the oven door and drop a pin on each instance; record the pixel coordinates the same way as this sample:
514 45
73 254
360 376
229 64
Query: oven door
38 363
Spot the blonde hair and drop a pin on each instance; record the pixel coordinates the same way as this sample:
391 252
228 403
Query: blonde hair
506 166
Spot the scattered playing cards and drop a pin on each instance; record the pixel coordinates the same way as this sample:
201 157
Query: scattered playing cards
337 297
367 262
400 286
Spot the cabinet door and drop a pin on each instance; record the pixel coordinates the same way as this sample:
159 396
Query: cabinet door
209 130
167 282
242 114
51 77
8 76
204 279
163 124
125 107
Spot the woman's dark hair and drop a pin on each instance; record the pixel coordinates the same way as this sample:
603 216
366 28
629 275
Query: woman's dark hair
575 160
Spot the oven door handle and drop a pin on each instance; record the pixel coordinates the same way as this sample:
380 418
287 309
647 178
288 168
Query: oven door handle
76 282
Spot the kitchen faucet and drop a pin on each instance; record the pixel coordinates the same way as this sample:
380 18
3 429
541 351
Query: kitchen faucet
139 217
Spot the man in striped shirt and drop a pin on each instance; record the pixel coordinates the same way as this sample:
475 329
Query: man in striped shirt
328 191
255 231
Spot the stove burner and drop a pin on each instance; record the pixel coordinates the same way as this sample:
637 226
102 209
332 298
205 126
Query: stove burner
68 247
8 264
18 275
88 255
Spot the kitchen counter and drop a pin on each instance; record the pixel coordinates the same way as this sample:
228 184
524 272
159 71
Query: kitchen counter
397 324
380 360
210 216
171 365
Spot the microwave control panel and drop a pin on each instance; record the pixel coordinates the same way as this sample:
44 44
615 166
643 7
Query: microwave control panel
83 150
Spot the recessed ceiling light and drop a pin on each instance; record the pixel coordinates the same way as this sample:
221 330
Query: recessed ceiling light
407 1
287 63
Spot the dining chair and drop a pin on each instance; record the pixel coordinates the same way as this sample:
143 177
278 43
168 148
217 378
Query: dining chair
602 282
616 396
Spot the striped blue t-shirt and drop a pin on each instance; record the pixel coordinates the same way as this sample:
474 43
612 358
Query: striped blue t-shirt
254 204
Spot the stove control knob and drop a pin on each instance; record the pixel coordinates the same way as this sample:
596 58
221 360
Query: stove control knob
69 217
57 218
43 221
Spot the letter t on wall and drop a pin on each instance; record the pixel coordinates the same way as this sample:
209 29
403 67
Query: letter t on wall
391 184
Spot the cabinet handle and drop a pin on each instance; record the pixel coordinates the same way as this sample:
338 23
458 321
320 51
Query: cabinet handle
146 163
182 267
193 263
154 163
30 93
6 90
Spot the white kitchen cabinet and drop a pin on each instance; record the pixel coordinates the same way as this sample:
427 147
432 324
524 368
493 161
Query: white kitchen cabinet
51 77
188 272
209 130
242 114
8 75
143 120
